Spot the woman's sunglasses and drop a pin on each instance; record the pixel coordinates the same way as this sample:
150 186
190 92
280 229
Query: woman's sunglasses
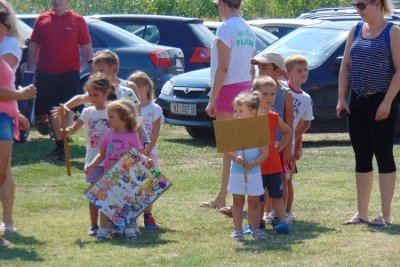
361 6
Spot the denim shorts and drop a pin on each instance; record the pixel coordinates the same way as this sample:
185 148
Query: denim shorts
6 127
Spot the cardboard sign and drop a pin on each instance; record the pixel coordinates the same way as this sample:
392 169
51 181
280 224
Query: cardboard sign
124 191
239 134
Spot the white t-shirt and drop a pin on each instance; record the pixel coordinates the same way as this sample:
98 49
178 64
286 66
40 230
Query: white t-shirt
149 114
239 38
96 126
123 92
10 45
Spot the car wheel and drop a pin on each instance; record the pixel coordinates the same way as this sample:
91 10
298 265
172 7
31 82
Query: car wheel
200 132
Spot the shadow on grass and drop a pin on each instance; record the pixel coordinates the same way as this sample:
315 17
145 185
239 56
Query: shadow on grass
17 252
300 231
192 142
394 229
38 149
145 240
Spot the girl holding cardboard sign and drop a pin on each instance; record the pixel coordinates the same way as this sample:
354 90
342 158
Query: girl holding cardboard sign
245 173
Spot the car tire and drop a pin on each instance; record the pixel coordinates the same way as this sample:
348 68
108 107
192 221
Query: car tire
200 132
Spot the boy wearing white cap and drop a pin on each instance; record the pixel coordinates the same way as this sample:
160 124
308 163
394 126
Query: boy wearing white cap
273 64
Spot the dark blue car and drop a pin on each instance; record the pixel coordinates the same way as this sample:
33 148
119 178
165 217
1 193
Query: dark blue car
185 96
188 34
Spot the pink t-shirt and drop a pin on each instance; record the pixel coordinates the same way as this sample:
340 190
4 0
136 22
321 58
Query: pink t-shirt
7 81
116 144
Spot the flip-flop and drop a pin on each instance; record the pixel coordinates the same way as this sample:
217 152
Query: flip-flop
356 220
379 222
227 211
5 243
210 204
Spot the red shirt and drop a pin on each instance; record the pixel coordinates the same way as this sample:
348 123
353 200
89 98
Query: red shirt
273 163
59 38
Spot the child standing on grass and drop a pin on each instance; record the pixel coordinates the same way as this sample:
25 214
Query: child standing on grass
297 72
245 174
151 115
271 168
123 121
272 64
99 88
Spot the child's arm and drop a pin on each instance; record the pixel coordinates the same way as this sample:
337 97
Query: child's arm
298 149
301 128
72 129
287 136
263 156
72 103
96 161
154 137
235 157
289 117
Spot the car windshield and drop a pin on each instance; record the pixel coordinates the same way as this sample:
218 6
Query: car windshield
124 37
316 44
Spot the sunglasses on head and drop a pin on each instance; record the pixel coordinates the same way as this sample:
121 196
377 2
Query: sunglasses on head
361 6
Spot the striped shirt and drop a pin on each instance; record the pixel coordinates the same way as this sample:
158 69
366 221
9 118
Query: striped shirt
371 64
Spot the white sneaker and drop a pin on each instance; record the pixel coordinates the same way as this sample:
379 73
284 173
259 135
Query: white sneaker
289 217
130 233
102 234
8 228
270 217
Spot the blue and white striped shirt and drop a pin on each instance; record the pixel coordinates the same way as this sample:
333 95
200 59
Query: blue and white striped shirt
371 64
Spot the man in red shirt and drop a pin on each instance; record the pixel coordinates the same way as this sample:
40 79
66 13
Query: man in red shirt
56 38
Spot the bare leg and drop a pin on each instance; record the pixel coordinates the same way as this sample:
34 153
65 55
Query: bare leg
237 211
7 193
285 190
94 214
55 127
277 203
387 182
103 221
254 212
290 196
5 171
364 183
219 200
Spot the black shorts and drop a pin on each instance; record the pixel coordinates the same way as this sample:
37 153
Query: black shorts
273 183
55 89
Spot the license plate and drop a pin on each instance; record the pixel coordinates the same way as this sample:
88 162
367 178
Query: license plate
183 109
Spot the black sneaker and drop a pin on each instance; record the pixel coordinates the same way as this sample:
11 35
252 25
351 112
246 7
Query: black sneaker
61 155
53 153
262 224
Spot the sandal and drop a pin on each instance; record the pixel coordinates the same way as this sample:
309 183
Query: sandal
227 211
5 243
210 204
380 222
356 220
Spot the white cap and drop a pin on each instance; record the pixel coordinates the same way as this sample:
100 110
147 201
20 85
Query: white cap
270 57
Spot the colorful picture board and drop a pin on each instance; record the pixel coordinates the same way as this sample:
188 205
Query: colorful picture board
124 191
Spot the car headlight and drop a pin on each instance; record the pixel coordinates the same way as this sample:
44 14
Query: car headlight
167 88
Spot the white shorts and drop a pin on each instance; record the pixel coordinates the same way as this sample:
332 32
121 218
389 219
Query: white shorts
238 186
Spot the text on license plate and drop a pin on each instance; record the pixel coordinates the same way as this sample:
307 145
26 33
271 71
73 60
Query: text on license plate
183 109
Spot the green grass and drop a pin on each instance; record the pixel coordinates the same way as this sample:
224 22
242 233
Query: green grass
52 218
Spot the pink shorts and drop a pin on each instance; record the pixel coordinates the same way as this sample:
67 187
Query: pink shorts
227 94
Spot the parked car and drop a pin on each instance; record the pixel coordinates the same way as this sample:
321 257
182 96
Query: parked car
160 62
185 97
189 34
263 37
340 13
281 27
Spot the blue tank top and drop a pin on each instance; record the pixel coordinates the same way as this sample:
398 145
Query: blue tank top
279 107
250 155
371 64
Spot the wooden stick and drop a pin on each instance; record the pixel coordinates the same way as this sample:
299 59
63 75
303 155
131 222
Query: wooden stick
65 140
